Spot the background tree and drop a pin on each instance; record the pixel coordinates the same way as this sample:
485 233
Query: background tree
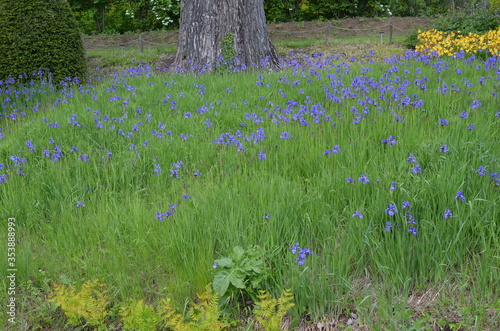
212 29
309 10
120 16
40 34
155 14
94 8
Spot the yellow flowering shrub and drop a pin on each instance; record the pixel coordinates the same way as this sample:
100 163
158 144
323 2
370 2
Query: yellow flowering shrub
449 43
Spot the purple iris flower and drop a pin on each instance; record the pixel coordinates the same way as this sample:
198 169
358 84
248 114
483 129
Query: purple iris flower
358 214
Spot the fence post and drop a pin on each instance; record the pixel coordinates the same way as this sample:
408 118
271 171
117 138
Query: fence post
328 30
390 33
142 44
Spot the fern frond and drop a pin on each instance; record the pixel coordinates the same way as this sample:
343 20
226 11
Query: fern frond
137 315
269 311
171 317
285 302
205 315
85 306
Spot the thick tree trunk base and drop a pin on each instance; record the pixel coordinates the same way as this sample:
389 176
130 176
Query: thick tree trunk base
205 23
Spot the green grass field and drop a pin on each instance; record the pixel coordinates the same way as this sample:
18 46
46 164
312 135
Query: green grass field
386 171
115 58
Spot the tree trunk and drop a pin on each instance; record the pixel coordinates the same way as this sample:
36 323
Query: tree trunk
204 24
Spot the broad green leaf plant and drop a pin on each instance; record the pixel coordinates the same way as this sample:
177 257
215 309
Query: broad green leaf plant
240 274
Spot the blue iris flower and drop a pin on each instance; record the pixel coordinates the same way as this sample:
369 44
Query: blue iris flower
391 210
358 214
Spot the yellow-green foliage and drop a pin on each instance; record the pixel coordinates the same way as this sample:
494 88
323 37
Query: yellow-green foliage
203 315
136 315
171 317
269 311
85 306
495 5
449 43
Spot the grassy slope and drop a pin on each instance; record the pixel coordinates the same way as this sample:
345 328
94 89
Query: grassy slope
357 265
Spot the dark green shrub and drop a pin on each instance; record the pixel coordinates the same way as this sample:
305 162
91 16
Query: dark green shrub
468 21
39 34
412 40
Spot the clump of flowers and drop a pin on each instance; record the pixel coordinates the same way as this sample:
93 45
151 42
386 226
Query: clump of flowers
389 141
162 216
334 150
175 169
450 43
302 253
363 179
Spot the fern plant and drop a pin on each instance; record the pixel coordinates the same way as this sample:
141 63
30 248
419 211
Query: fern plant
202 315
136 315
269 311
205 314
86 306
172 319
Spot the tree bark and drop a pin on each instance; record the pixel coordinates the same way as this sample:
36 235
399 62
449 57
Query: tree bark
204 24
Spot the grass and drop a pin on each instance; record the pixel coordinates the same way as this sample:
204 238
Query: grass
118 59
115 58
258 168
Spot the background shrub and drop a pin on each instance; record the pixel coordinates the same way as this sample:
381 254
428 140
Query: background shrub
468 21
412 40
39 34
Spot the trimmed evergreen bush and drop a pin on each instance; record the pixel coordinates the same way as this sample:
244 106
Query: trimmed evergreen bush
39 34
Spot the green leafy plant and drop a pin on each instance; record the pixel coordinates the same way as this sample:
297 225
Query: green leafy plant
240 274
269 311
86 306
445 325
34 293
228 53
411 41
